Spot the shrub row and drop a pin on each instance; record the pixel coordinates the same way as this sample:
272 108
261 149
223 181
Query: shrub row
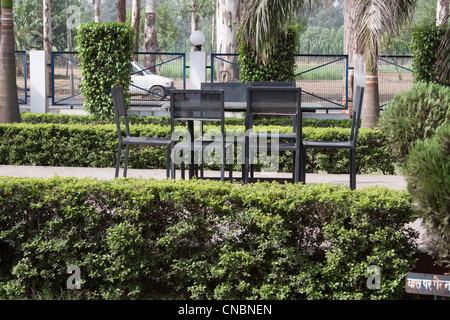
202 239
96 146
38 118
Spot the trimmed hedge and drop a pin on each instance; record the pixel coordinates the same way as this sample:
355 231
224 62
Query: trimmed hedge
105 51
202 239
96 146
38 118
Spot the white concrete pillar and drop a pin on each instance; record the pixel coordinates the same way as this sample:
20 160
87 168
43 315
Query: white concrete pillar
197 69
38 81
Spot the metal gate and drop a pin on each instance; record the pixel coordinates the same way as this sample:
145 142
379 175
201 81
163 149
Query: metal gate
395 74
66 79
154 74
150 85
323 78
22 77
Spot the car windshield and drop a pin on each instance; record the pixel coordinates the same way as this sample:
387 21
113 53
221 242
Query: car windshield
140 70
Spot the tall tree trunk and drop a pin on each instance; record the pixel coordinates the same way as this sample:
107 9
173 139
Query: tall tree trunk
96 10
228 15
194 21
69 47
150 32
47 19
9 104
442 12
135 23
121 10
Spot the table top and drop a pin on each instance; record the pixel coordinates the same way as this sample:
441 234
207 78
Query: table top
242 106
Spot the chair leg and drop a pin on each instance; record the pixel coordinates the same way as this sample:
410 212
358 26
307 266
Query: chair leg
172 162
168 162
118 160
127 151
352 169
296 168
303 165
246 165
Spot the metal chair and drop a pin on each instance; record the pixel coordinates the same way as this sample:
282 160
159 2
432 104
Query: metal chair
121 112
280 101
350 144
198 105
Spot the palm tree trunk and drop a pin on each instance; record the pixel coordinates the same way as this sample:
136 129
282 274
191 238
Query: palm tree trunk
371 108
9 104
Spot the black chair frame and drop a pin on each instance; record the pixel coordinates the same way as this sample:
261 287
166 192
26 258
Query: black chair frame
275 108
193 114
350 144
120 112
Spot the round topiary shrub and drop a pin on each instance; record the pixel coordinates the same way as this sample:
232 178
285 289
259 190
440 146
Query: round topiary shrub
427 173
414 114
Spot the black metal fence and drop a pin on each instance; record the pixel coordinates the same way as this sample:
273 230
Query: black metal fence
323 78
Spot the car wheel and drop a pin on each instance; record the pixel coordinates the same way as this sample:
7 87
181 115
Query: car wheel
157 93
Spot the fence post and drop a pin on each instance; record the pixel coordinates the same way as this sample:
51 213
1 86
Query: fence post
38 81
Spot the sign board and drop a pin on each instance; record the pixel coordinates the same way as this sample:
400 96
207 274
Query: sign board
428 284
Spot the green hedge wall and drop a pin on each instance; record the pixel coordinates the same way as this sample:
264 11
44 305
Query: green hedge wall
39 118
105 51
202 239
76 145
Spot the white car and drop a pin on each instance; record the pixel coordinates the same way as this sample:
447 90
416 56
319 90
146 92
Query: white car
145 82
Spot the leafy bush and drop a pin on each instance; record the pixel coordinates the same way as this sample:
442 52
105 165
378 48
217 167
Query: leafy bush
105 51
281 67
427 174
414 114
78 145
202 239
425 48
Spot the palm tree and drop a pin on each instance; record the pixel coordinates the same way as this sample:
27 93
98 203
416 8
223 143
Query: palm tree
9 104
265 20
375 18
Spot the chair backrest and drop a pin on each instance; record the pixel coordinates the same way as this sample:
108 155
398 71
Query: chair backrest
284 101
120 109
272 83
233 91
274 100
197 105
357 109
